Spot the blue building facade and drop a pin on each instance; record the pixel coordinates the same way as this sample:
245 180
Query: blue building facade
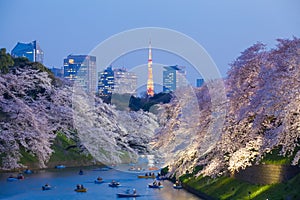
31 50
106 82
82 70
199 82
173 78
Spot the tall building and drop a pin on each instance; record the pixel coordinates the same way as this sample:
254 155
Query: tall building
150 85
118 81
31 50
82 69
106 81
199 82
125 82
173 78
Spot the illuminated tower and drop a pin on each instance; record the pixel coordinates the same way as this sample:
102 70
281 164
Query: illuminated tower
150 86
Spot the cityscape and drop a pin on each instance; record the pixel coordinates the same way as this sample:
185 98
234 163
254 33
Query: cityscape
156 100
83 69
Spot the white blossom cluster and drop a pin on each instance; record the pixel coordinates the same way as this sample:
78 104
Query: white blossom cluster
262 113
33 107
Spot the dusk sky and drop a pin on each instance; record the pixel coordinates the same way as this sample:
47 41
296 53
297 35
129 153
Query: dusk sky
223 28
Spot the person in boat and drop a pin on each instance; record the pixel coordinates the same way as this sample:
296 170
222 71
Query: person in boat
20 176
146 174
152 174
113 182
177 183
80 171
78 186
134 191
159 184
154 183
99 178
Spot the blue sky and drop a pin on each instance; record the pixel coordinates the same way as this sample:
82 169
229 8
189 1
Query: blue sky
223 28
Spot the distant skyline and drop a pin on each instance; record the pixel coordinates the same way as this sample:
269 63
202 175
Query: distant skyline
223 28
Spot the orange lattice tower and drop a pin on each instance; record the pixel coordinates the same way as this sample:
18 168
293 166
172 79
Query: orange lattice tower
150 85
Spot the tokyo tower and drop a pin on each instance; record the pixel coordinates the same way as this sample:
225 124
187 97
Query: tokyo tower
150 86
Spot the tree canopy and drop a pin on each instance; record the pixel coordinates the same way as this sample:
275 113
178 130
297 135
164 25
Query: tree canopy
6 61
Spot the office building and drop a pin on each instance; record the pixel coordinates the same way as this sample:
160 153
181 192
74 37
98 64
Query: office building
118 81
125 82
106 82
31 50
173 78
199 82
82 70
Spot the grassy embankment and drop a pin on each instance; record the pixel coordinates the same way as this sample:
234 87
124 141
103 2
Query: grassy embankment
230 188
66 152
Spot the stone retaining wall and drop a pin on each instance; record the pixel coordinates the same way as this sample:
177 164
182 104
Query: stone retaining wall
267 174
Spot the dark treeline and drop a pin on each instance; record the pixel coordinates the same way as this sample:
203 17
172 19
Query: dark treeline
127 101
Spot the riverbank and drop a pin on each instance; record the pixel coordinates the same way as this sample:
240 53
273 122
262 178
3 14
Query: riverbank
232 188
66 152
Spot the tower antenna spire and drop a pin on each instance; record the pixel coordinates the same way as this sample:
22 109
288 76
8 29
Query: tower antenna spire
150 85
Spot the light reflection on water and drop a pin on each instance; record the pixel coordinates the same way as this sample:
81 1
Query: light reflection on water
64 182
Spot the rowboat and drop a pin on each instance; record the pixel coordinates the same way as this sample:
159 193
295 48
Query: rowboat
120 195
143 176
99 181
114 184
177 186
46 187
155 186
81 190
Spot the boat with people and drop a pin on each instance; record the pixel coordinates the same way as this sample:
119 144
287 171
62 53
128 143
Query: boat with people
128 194
20 176
177 185
80 172
120 195
80 188
28 171
11 178
99 180
114 184
46 187
147 176
155 185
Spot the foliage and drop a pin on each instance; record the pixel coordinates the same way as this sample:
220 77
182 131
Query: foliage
33 108
164 171
127 101
6 61
262 113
